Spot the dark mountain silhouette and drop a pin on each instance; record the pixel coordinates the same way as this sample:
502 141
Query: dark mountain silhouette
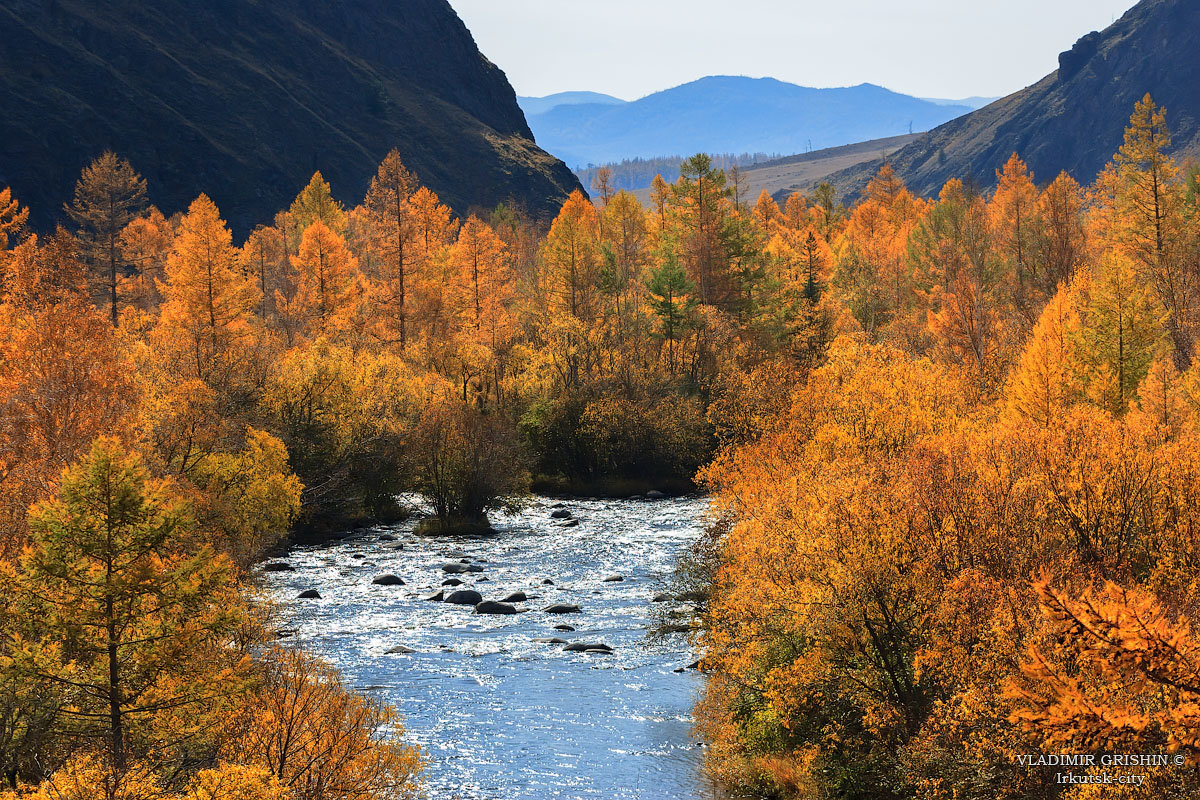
1073 119
244 99
724 114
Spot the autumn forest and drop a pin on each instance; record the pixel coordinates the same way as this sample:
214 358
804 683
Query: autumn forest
952 446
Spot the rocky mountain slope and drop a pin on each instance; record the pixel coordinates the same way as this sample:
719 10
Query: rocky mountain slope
244 99
1074 118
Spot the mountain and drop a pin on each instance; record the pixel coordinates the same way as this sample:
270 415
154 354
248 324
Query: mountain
244 99
970 102
540 105
1074 118
726 114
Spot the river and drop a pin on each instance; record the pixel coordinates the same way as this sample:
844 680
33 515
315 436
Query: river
498 715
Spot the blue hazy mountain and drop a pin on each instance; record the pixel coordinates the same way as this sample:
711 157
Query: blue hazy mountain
725 114
540 105
969 102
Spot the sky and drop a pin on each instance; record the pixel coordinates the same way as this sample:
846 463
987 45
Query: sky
927 48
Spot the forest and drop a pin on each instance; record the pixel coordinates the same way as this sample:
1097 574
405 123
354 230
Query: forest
952 447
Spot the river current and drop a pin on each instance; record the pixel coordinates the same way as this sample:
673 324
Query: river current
499 715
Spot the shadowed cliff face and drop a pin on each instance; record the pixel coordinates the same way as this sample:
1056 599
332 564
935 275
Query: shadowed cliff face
244 99
1074 119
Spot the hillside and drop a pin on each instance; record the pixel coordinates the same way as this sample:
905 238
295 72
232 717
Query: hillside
1073 119
244 100
732 115
799 173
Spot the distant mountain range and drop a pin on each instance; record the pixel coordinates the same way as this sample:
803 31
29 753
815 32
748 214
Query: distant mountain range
244 99
540 105
1074 118
725 114
969 102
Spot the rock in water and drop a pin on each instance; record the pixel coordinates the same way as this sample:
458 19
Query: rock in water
278 566
388 580
515 597
547 582
549 640
400 650
309 594
436 597
564 627
614 578
452 582
570 523
492 607
655 494
456 568
464 597
663 597
587 647
562 608
561 513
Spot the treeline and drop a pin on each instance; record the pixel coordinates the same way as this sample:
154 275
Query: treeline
638 173
969 531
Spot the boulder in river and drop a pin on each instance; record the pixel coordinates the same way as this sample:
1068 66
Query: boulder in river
614 578
564 627
547 582
587 647
561 513
387 537
278 566
663 597
400 650
439 597
309 594
493 607
457 568
569 523
452 582
388 580
654 494
464 597
515 597
562 608
549 640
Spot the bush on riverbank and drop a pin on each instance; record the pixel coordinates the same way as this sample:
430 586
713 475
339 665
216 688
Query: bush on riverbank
612 444
467 463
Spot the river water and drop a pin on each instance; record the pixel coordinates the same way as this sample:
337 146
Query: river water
500 716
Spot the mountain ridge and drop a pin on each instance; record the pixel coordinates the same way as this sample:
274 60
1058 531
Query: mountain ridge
732 114
1072 120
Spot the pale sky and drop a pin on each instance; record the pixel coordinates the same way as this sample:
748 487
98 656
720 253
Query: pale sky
928 48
